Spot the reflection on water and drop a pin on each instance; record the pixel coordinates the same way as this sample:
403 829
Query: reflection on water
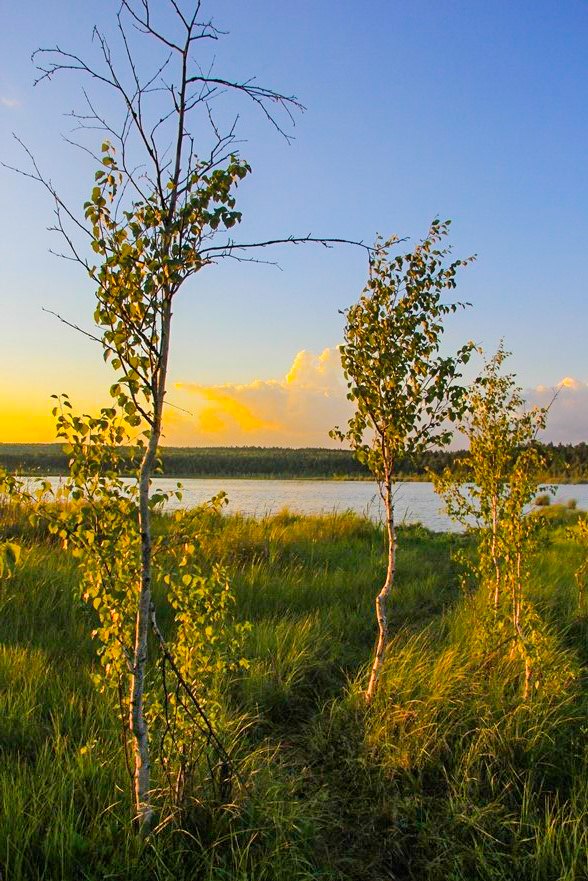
415 502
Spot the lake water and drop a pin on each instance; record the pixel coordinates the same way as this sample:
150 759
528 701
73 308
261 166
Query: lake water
415 502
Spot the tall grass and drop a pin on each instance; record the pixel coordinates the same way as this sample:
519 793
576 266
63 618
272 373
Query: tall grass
448 775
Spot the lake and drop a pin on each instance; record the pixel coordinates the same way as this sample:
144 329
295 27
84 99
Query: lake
415 502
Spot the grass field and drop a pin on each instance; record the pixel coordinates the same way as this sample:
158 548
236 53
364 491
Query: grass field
448 776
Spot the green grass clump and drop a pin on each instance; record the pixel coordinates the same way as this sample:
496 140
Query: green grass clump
543 500
448 775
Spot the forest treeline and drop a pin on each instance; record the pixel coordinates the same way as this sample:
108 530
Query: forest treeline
565 462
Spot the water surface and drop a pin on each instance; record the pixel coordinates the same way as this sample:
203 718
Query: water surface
415 502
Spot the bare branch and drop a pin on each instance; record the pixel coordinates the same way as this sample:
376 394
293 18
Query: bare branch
259 95
45 182
228 248
79 329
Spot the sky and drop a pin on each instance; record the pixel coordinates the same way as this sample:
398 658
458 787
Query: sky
472 111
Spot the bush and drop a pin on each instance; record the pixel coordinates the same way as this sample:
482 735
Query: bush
543 500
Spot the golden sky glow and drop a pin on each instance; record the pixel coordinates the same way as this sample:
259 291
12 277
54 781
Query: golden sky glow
25 424
297 410
225 410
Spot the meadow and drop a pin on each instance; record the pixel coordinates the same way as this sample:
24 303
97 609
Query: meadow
449 774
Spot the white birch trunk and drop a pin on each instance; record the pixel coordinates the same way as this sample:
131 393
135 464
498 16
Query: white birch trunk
382 598
494 556
137 722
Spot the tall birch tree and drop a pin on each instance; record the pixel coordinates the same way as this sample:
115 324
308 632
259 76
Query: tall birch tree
159 212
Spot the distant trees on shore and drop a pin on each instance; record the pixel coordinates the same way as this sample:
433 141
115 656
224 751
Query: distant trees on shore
563 461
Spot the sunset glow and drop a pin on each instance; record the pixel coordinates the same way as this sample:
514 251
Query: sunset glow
297 410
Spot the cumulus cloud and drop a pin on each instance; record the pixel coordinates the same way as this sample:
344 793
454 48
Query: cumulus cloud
297 410
11 103
300 408
567 421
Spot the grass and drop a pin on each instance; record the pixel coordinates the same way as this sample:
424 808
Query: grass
449 776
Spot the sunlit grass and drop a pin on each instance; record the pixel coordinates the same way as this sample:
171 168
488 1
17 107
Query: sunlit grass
449 775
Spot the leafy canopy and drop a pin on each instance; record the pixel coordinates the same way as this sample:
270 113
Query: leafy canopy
148 250
404 390
498 477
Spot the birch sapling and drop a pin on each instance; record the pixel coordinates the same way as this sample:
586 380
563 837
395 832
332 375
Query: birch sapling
490 493
405 392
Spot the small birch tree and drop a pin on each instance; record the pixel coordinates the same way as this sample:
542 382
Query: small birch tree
490 493
403 389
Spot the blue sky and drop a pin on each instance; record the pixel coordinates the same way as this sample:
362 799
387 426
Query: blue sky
471 110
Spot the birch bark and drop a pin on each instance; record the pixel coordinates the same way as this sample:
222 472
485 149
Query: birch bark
137 721
382 598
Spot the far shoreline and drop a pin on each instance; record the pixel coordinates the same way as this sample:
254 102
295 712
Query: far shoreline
544 481
563 464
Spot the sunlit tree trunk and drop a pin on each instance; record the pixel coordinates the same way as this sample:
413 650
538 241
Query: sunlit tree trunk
382 598
137 721
494 554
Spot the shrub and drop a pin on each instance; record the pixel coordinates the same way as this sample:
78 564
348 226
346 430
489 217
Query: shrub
543 500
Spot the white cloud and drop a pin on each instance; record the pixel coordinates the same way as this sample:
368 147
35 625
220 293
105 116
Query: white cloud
567 421
298 410
11 103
